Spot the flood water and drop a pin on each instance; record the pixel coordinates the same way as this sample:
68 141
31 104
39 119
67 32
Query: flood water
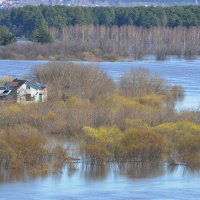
74 182
156 182
175 71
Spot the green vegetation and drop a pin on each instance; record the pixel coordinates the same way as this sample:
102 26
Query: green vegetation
6 37
24 21
42 36
60 16
106 33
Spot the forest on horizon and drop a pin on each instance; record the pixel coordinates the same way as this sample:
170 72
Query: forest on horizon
23 21
101 31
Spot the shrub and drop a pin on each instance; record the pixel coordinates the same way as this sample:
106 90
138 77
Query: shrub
7 155
100 143
142 145
65 80
140 82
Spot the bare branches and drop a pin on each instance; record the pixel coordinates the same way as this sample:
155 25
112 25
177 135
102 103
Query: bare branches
66 80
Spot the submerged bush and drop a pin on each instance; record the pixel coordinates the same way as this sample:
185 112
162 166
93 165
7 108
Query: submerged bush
99 144
22 146
7 155
142 145
184 139
108 122
133 145
25 144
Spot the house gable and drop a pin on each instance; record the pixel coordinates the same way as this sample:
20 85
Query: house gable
24 91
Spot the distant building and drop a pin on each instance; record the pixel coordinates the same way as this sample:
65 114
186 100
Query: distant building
23 91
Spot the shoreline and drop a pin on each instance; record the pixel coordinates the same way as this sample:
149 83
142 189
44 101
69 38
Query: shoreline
99 59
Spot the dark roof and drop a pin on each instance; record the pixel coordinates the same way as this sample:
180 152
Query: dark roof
33 82
12 84
17 83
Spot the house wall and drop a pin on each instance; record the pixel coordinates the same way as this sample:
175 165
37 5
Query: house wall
33 91
44 93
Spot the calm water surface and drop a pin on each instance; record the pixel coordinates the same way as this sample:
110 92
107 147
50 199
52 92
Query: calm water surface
175 71
113 182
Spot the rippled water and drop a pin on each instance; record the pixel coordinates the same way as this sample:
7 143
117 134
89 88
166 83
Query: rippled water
175 71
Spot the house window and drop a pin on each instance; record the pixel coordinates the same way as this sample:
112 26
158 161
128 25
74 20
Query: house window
40 97
28 87
28 97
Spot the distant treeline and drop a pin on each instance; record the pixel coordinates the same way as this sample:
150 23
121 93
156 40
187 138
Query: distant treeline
23 21
95 43
102 32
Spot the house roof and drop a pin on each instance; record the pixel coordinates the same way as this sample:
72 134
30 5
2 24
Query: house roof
12 84
19 83
11 87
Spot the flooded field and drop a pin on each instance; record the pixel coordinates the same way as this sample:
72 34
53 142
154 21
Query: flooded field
156 181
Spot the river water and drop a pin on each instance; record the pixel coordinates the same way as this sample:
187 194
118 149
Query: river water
154 182
175 71
107 182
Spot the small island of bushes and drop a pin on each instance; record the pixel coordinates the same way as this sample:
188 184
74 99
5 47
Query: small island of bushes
133 120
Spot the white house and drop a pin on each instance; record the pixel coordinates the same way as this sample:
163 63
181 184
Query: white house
23 91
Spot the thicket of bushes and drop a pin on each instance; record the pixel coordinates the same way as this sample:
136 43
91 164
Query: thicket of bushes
107 120
140 142
23 147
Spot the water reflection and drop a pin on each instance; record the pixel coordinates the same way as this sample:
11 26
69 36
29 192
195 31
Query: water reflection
71 169
111 181
134 170
95 172
142 170
29 174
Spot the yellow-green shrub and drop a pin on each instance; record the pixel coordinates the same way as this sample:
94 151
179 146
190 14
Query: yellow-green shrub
136 124
142 145
152 100
99 144
184 140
